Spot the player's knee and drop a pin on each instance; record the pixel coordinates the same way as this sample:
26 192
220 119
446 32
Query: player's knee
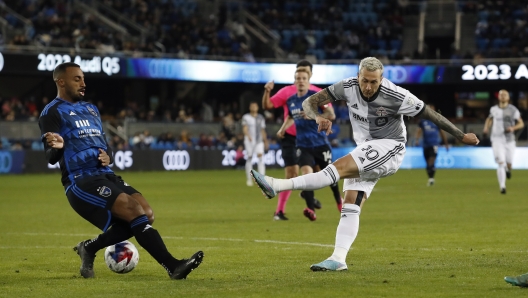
150 215
127 208
354 197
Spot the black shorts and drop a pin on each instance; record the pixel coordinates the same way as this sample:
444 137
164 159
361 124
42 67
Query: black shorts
430 151
93 197
289 150
321 156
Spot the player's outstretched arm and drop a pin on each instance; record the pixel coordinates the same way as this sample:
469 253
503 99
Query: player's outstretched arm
311 104
266 102
443 123
487 125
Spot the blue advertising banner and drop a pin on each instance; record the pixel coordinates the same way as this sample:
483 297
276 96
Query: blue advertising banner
11 162
281 73
454 158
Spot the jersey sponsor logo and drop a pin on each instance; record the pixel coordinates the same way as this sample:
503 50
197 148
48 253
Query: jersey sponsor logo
361 159
104 191
381 112
176 160
82 123
292 105
355 106
381 121
92 111
72 113
359 118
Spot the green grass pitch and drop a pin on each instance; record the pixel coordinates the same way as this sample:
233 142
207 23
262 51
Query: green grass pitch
458 238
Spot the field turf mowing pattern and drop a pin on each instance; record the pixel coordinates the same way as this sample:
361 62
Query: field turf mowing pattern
458 238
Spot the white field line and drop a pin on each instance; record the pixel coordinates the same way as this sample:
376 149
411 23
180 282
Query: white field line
168 237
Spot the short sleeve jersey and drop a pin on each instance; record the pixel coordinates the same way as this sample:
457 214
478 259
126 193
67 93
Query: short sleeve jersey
502 119
255 126
280 98
79 124
307 135
381 116
431 133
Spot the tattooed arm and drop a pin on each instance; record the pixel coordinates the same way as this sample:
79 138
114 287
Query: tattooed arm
311 109
443 123
312 103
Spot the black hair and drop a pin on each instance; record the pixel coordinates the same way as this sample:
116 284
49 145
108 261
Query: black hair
61 69
305 63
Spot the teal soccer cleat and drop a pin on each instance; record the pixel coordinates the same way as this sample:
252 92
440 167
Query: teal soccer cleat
329 265
266 188
520 281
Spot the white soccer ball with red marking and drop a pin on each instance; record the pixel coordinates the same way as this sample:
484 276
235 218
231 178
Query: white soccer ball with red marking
122 257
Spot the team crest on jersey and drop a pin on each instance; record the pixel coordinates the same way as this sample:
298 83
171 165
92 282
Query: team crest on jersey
381 112
104 191
381 121
92 111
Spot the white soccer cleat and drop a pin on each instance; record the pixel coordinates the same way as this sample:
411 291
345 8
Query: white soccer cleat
329 265
430 182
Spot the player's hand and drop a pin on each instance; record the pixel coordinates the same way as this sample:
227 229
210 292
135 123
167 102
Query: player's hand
280 134
54 140
249 138
323 124
470 139
104 158
269 86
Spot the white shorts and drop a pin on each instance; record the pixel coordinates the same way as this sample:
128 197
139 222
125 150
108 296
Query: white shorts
503 151
375 159
253 148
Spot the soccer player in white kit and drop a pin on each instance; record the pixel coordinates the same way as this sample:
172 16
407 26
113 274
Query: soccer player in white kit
254 128
503 119
376 108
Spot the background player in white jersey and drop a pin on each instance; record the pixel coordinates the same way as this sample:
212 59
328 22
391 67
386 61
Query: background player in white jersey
503 119
376 109
255 139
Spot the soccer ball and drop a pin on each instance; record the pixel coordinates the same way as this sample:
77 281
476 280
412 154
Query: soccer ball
122 257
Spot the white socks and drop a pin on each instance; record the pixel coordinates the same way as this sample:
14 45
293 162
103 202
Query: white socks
326 177
347 231
261 165
249 166
501 175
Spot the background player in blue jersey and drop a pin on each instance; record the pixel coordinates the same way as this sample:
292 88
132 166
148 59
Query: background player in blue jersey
313 146
430 134
73 135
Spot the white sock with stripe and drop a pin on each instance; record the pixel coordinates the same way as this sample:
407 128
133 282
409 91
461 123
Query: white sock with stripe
313 181
347 231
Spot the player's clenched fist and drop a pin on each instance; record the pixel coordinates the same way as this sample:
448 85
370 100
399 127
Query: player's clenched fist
104 158
470 139
54 140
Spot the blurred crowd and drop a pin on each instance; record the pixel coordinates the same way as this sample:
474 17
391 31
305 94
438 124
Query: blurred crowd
171 27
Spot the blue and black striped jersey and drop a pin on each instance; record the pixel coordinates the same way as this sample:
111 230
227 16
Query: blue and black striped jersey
80 125
307 135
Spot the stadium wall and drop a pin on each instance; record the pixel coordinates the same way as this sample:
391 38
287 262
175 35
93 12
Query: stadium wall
18 162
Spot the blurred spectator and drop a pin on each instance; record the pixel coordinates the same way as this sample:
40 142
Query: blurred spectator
206 112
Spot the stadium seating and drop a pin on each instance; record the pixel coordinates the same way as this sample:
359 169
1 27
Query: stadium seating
501 29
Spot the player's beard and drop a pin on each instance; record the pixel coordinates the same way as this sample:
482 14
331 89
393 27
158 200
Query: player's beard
75 96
